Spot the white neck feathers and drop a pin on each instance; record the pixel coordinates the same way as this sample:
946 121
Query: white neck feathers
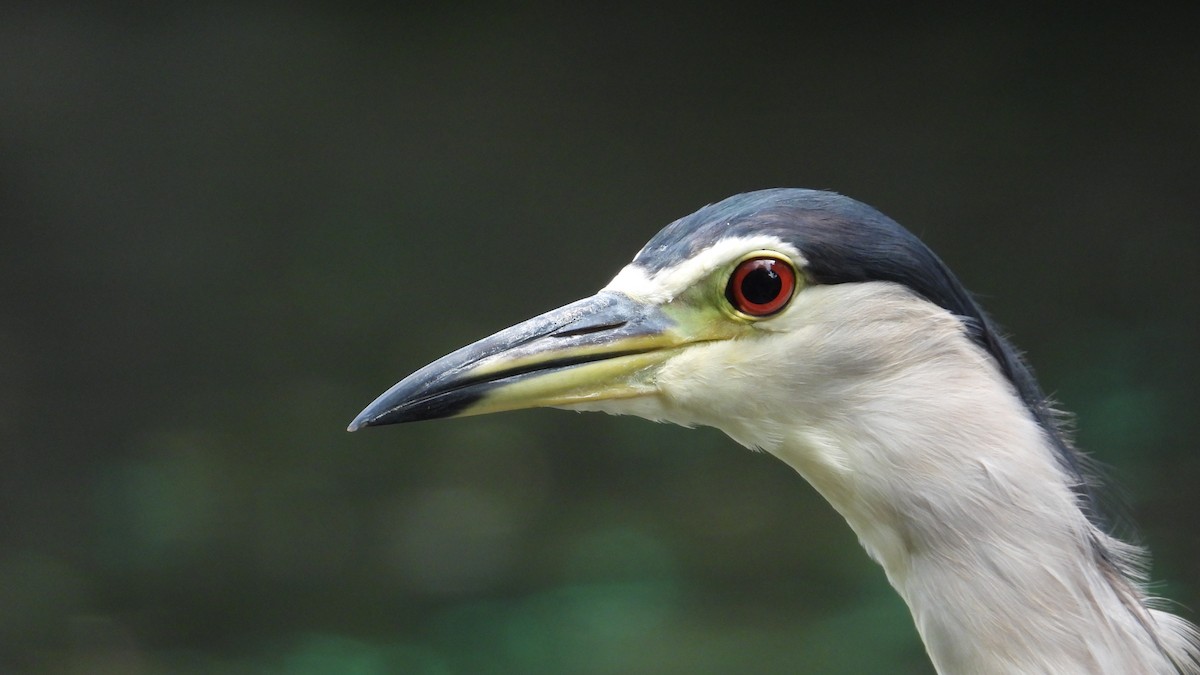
911 432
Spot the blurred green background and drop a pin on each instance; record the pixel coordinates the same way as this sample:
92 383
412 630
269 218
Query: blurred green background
228 227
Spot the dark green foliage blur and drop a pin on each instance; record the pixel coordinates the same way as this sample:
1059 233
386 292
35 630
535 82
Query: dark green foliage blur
227 228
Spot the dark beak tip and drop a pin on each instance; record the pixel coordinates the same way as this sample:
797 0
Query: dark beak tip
363 420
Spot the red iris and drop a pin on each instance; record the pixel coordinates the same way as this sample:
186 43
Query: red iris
761 286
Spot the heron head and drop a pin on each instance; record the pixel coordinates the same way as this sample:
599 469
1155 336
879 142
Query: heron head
777 300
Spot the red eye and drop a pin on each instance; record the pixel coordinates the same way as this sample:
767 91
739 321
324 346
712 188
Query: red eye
761 286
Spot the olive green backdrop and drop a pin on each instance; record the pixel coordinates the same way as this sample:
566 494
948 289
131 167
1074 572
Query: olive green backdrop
227 228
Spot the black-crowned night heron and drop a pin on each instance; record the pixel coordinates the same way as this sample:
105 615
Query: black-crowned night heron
813 327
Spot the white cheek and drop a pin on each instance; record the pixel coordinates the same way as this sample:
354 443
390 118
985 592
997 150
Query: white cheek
727 386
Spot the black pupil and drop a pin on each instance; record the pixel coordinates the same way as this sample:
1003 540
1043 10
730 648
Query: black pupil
761 285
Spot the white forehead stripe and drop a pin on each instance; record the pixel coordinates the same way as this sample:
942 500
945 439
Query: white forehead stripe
665 284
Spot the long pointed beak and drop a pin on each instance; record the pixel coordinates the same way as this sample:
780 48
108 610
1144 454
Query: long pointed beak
602 347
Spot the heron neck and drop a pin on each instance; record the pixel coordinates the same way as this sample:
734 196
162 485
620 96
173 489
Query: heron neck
909 428
978 529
